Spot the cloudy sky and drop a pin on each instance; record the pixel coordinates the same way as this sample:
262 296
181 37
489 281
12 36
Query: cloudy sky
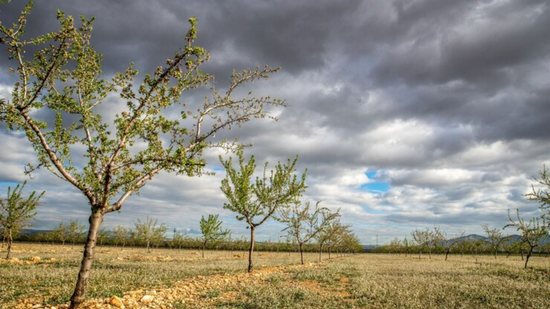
406 113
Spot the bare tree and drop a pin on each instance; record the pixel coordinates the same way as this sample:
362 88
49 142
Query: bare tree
149 233
60 73
212 231
494 238
16 212
532 231
305 222
449 244
257 201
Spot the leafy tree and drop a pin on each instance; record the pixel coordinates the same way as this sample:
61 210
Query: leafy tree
60 73
328 235
121 235
494 238
257 201
212 231
16 212
149 233
305 222
541 193
75 232
532 231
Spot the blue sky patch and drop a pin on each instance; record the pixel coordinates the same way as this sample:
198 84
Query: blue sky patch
378 186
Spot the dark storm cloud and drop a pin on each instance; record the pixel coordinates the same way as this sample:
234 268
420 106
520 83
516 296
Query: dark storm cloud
447 100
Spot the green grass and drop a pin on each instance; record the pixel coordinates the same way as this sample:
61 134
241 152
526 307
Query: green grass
358 281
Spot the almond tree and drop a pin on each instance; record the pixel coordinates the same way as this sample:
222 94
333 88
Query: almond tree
532 231
59 73
16 212
422 239
328 234
257 201
121 235
149 233
305 222
494 238
212 231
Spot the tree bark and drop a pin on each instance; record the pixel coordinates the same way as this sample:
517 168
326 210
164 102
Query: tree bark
447 253
302 253
528 256
9 242
320 252
203 248
251 250
95 220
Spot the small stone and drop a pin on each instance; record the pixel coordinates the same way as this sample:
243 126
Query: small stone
147 299
116 301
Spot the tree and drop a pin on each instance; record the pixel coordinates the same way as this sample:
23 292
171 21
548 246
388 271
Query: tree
422 239
60 233
60 73
304 222
532 232
75 232
541 193
212 231
494 238
257 201
149 233
16 212
328 234
121 235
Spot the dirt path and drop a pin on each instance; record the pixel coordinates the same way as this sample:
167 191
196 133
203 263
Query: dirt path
196 292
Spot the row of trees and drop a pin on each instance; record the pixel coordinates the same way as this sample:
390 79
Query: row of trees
121 236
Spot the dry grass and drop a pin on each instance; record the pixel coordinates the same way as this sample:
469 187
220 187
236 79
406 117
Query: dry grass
181 279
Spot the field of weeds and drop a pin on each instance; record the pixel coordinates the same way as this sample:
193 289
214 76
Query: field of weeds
43 276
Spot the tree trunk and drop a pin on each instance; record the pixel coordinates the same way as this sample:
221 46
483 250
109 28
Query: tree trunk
302 253
78 295
528 256
251 250
521 252
320 252
9 242
203 248
447 253
148 246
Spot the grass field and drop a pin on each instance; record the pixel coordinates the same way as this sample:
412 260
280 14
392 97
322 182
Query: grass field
45 274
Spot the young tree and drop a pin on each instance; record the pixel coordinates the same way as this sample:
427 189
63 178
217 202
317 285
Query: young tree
212 231
16 212
60 73
75 232
257 201
494 238
60 233
532 232
328 235
149 233
304 222
541 193
449 244
422 239
121 235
